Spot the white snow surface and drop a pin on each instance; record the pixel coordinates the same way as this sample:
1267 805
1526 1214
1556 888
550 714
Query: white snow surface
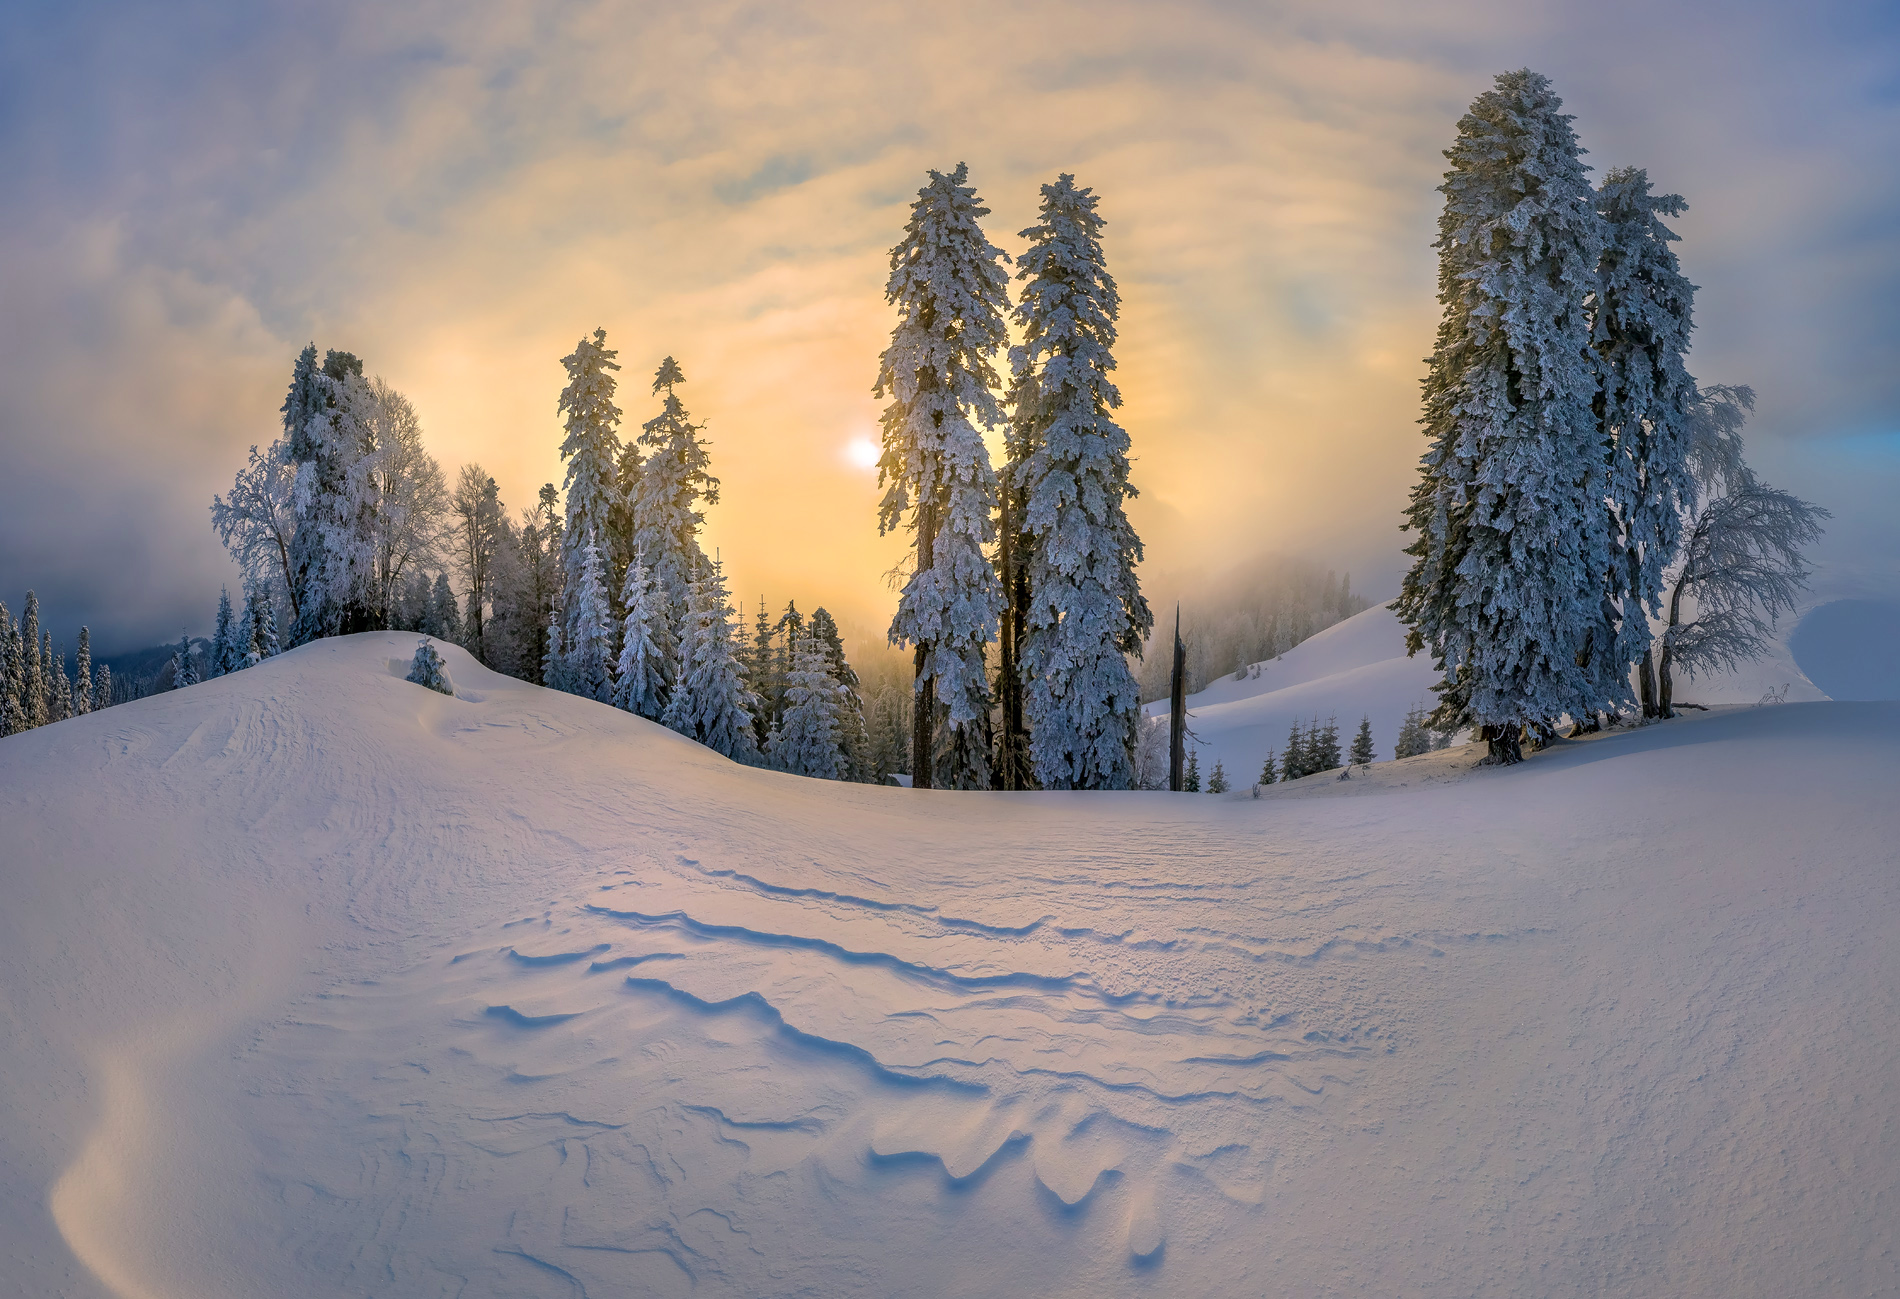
315 982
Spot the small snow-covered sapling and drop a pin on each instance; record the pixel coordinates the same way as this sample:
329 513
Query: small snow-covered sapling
428 669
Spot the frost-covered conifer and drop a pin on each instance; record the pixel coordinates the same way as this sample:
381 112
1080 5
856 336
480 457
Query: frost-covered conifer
1217 782
1644 306
101 687
82 674
1413 739
854 741
639 683
762 674
12 705
318 488
1069 461
554 661
1362 751
258 639
588 671
1191 781
224 650
592 452
58 686
1294 763
428 669
32 679
1323 745
951 293
445 615
184 668
709 700
808 740
666 513
1506 586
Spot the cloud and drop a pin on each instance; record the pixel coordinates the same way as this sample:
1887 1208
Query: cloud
457 193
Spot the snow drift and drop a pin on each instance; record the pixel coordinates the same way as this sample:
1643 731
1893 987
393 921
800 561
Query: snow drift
317 982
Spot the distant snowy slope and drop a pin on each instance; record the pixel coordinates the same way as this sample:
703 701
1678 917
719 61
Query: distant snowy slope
1353 669
316 983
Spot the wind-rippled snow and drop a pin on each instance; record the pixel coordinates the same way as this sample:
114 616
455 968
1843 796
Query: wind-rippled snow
343 987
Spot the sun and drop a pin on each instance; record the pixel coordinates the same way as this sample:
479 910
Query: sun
862 452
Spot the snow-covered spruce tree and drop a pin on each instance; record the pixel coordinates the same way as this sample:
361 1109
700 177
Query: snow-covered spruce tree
1294 763
554 659
951 292
666 513
590 632
592 452
224 652
808 742
184 667
709 701
12 705
428 669
1217 782
1269 770
1324 745
854 742
445 615
101 687
315 497
1412 737
53 680
260 627
82 674
1362 751
59 686
1507 583
32 682
1191 780
1069 460
762 674
638 681
1642 320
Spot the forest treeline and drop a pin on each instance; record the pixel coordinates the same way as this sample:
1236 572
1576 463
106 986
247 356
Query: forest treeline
1584 525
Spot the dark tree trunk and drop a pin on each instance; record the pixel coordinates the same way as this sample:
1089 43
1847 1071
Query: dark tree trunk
1012 750
1665 687
1646 682
924 697
1505 745
1177 710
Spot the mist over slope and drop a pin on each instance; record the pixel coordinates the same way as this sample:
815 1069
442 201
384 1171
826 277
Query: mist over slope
319 983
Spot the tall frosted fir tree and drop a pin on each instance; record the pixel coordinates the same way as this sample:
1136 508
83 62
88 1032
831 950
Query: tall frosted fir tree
1644 310
225 655
1506 585
710 702
32 681
12 665
951 292
666 513
807 741
638 682
592 452
1085 613
82 674
590 651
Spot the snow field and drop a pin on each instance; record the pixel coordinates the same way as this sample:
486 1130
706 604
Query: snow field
321 983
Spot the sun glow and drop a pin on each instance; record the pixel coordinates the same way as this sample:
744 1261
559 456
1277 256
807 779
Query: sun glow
862 452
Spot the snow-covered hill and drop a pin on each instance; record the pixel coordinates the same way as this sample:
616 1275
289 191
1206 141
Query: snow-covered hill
1358 668
314 982
1353 669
